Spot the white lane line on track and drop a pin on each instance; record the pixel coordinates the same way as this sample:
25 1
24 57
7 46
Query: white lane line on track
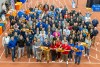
66 5
95 49
60 3
45 62
94 58
2 54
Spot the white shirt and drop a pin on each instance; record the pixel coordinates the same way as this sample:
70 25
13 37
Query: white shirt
60 9
3 7
3 17
5 40
88 42
67 31
87 19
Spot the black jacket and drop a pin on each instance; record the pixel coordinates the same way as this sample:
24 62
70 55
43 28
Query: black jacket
21 43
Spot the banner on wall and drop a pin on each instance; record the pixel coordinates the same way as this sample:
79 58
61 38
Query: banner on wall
12 4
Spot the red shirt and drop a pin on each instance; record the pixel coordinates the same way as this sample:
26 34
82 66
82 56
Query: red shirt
58 43
70 27
66 47
53 46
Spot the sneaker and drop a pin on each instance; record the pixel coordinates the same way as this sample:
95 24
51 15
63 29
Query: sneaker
47 61
53 61
84 55
75 62
68 59
67 62
33 57
61 60
40 60
78 63
71 59
88 57
13 60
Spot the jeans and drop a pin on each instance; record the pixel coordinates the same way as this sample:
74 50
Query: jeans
34 50
70 54
65 57
77 59
38 54
20 51
13 53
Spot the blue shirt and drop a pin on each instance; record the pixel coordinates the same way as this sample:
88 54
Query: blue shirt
32 16
42 39
72 45
28 43
18 31
16 38
46 44
46 26
27 17
80 28
79 48
12 44
39 12
39 23
95 22
31 37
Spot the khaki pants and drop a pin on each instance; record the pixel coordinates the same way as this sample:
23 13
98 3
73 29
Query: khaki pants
20 51
46 55
39 55
65 57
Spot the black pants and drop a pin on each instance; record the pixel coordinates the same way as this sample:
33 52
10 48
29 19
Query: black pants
89 3
28 48
58 55
53 54
96 1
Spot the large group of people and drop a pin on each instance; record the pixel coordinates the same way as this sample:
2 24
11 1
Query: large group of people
50 33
